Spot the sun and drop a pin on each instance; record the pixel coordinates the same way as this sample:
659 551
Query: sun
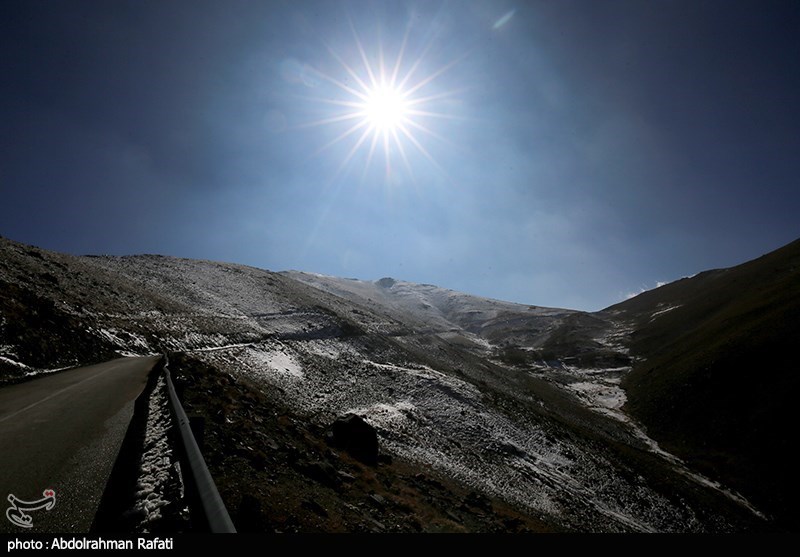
386 109
383 106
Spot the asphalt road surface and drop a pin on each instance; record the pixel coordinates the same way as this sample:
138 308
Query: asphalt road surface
62 432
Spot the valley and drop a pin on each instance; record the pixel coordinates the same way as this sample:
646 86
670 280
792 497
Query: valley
491 416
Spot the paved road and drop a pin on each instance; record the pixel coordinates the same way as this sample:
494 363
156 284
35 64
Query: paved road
63 432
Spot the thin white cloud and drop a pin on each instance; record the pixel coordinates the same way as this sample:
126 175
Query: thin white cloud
659 284
503 20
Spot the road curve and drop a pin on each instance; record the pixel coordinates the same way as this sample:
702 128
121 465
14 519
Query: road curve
63 432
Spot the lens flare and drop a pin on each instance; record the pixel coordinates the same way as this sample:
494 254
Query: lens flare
383 107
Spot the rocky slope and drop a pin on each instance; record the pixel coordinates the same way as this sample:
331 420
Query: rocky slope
491 416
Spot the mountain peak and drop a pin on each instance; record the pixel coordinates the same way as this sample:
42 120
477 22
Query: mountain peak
385 282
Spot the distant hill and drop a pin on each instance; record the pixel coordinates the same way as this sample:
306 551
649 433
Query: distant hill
521 333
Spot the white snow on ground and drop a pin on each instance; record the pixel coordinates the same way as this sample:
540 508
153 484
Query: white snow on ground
662 312
279 361
224 347
605 396
8 353
465 338
521 464
192 339
479 340
430 306
158 462
439 415
397 415
424 414
681 467
598 388
425 372
13 362
132 342
602 393
8 349
30 370
730 494
45 371
615 338
442 422
328 348
215 289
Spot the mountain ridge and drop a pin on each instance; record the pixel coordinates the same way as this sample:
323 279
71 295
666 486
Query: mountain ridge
524 404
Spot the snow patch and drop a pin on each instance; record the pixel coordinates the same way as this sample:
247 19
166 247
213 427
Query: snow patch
663 311
224 347
127 340
434 377
45 371
615 338
387 416
681 467
328 348
279 361
14 363
159 469
600 394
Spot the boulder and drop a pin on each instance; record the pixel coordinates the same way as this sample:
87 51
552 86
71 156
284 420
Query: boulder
351 433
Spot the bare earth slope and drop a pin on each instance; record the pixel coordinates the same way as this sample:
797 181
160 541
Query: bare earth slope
491 416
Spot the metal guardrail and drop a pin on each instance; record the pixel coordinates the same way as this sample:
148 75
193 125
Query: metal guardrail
199 479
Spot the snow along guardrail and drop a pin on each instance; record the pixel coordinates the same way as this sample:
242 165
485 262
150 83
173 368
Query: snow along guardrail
199 481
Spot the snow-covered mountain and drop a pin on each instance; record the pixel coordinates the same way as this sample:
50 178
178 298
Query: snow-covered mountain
432 307
493 416
544 333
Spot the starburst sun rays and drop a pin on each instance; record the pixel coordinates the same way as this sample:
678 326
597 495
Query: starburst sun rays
384 107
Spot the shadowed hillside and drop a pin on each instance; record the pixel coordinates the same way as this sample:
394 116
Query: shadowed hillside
716 377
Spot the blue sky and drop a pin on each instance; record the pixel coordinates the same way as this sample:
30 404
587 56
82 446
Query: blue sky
563 153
